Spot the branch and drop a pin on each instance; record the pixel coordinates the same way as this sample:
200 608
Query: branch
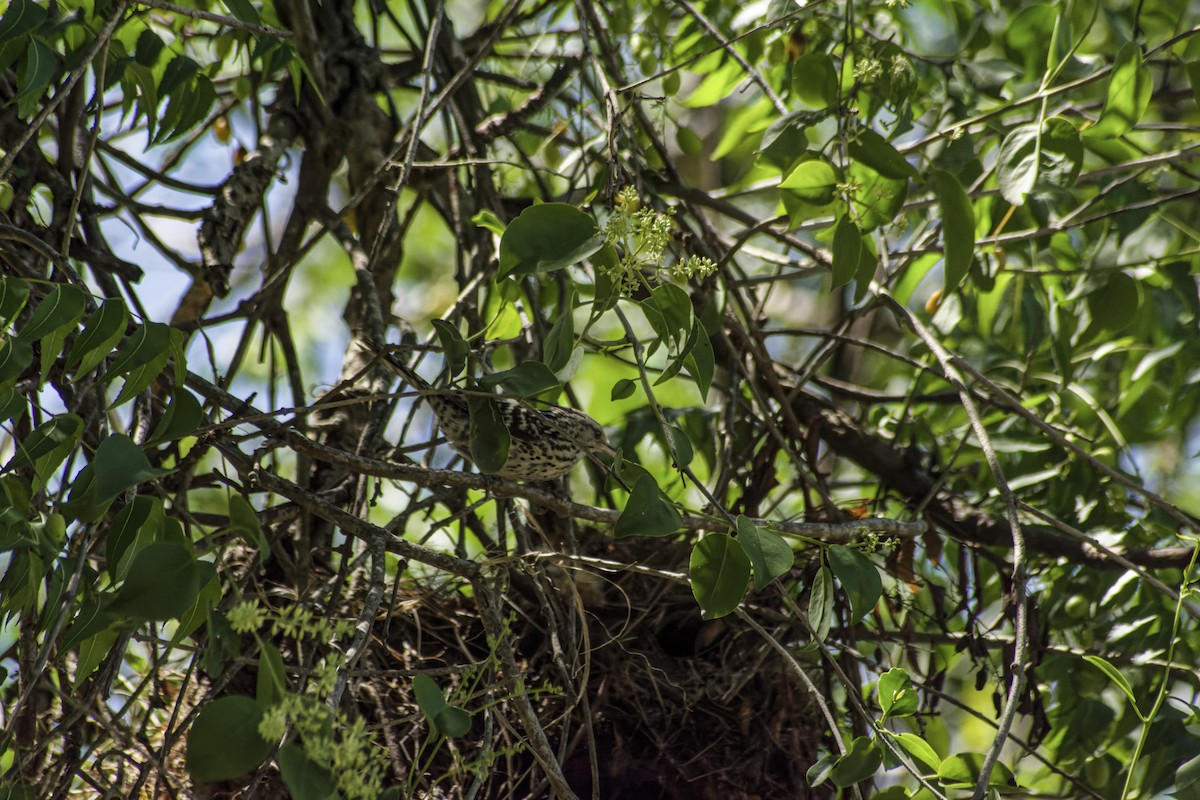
208 16
831 532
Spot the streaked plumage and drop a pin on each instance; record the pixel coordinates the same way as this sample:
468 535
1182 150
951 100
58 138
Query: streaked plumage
544 443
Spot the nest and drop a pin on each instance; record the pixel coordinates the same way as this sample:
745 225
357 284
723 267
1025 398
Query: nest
637 695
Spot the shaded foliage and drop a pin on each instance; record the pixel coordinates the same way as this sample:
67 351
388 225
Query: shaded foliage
890 310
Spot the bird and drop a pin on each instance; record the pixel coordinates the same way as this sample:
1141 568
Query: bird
544 444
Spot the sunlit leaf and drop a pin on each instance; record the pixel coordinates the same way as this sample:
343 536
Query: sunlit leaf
547 237
812 182
958 227
1129 89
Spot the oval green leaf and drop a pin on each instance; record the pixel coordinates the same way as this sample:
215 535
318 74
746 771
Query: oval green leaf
897 697
103 329
820 604
62 308
1129 91
719 571
958 228
877 153
120 465
647 512
305 778
547 237
814 182
489 436
858 576
769 553
163 582
224 741
860 762
524 380
14 292
847 251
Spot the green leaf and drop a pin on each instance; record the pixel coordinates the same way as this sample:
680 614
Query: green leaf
81 501
178 350
560 342
144 88
489 221
1119 680
719 570
244 521
243 10
1193 73
877 153
675 313
141 359
224 741
12 405
815 80
820 604
62 308
1035 160
919 750
452 722
818 773
181 418
429 696
15 357
187 109
46 447
271 682
198 613
489 436
304 778
769 553
136 525
877 201
92 651
147 343
179 72
548 237
847 252
449 720
684 452
103 329
958 228
963 771
120 465
622 389
700 361
14 293
524 380
897 696
813 182
860 762
647 512
716 86
1187 779
858 576
1129 91
1114 306
21 17
454 348
163 582
149 46
38 69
